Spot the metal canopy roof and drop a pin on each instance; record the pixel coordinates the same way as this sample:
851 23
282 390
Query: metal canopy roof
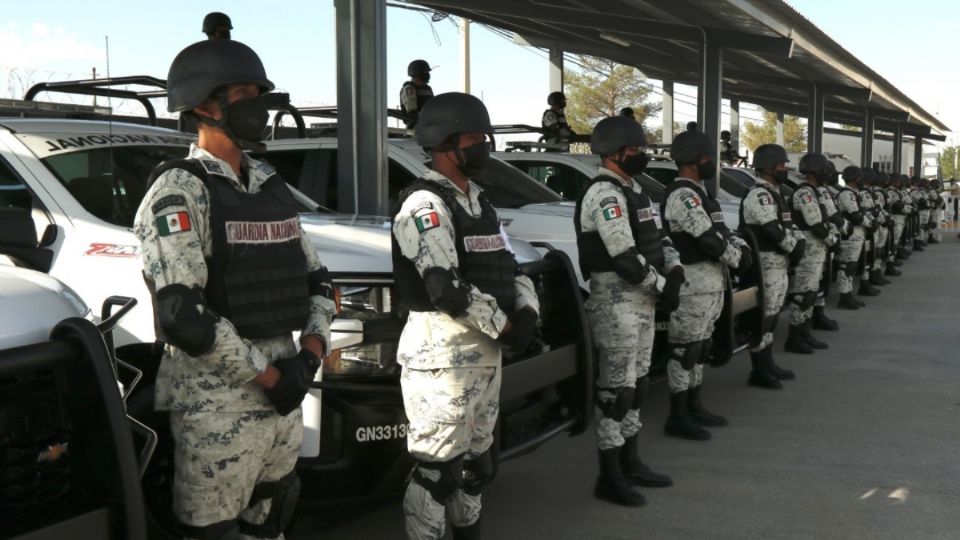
772 54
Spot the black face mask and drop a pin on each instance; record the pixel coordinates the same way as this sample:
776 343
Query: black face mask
473 159
245 120
633 165
425 78
780 176
707 169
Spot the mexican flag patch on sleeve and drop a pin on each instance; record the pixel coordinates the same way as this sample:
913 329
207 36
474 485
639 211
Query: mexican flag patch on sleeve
176 222
427 221
611 213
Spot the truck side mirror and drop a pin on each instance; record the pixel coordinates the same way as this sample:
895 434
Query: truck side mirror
18 239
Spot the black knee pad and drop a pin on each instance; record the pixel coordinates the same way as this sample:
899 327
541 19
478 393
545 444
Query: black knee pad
477 473
770 323
640 392
223 530
688 354
809 299
451 478
617 408
283 495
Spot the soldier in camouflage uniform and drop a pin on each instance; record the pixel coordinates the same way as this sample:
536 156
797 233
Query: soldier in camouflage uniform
766 216
809 215
625 255
887 264
415 93
856 243
898 209
873 260
457 276
554 121
937 205
695 224
922 205
230 375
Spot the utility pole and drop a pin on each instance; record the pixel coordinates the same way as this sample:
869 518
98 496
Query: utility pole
465 52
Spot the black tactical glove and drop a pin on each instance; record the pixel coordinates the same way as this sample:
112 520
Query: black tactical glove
296 376
798 250
670 295
523 323
746 261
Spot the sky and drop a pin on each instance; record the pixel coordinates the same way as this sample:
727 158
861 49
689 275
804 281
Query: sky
908 44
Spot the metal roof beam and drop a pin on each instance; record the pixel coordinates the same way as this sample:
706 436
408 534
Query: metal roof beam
759 44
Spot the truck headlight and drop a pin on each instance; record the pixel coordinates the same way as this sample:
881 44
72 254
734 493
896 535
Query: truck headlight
364 334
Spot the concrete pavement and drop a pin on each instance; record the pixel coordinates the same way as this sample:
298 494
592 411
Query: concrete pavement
864 444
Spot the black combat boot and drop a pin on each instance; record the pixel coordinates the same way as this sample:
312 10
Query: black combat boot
680 423
796 342
612 485
918 245
778 372
813 342
760 375
822 322
876 278
700 413
470 532
933 240
847 301
867 290
637 471
897 262
892 270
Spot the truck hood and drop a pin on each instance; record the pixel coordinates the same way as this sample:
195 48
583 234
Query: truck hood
31 304
358 243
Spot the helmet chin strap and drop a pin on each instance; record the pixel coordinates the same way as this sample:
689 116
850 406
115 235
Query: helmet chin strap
223 124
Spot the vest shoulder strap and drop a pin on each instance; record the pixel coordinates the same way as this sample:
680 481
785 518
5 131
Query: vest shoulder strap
190 165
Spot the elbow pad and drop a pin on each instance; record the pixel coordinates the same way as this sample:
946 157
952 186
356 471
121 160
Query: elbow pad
856 218
820 230
445 296
183 319
629 267
774 231
837 219
319 284
712 243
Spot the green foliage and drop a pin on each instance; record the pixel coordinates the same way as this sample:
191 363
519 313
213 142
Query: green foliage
947 157
600 89
794 133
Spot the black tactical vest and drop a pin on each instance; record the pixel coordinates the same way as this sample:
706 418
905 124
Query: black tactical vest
482 254
786 213
685 243
257 272
424 93
764 243
644 224
554 130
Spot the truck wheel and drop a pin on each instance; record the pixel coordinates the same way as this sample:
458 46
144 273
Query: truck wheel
157 482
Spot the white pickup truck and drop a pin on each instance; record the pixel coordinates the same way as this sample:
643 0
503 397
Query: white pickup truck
82 181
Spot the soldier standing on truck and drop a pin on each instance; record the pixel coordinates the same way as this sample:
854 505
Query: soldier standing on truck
694 221
415 93
457 276
227 298
625 255
554 121
766 214
217 25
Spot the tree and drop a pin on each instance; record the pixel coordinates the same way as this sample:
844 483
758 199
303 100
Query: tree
601 88
947 157
794 133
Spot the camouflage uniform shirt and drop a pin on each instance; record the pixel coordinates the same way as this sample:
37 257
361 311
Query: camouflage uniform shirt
221 379
432 339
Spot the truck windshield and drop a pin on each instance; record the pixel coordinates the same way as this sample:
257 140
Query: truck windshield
508 187
110 184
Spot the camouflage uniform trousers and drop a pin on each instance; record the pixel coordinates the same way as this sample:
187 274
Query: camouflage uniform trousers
623 332
924 220
693 321
849 256
806 277
936 217
880 237
452 413
899 224
774 267
220 456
